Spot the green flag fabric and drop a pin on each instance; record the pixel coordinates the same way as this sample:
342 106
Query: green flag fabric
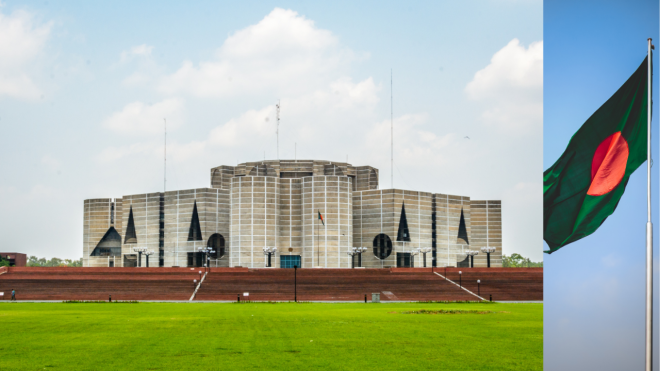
586 183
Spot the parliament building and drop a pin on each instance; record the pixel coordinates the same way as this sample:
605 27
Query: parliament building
314 212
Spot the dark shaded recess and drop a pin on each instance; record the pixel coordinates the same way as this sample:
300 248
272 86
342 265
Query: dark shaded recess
403 234
110 244
130 236
195 231
217 243
462 230
196 259
403 260
130 260
382 246
294 174
259 170
465 263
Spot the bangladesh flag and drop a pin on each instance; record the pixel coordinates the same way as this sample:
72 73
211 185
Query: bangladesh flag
586 183
321 217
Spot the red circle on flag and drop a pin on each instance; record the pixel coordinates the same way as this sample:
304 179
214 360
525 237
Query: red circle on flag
608 165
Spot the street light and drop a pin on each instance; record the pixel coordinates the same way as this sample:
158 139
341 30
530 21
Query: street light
412 257
460 279
356 251
488 250
147 253
295 283
140 251
471 254
478 287
194 284
269 251
425 250
207 259
200 276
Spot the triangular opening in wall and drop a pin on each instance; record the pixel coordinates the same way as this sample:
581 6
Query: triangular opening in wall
195 231
404 233
462 229
130 229
110 244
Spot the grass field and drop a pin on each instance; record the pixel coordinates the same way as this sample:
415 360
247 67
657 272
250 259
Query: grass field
287 336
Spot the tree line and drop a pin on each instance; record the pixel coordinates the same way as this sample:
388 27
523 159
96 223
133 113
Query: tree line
34 261
518 261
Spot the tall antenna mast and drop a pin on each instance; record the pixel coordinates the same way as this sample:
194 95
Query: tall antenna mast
165 159
391 131
277 131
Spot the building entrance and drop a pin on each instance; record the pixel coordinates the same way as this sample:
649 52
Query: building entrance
403 260
289 261
195 259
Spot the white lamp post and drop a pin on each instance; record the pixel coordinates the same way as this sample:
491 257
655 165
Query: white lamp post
356 251
269 251
206 251
488 250
147 254
425 250
471 254
412 257
140 251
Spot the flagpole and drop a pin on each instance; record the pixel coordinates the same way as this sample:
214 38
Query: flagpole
649 226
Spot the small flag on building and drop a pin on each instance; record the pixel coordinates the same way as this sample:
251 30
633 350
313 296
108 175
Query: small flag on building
586 183
321 218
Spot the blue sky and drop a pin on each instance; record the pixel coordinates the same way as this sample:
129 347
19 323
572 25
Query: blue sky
86 87
594 288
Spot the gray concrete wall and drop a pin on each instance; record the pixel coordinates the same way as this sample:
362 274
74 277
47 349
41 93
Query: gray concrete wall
326 245
254 219
275 203
487 217
290 219
96 222
379 211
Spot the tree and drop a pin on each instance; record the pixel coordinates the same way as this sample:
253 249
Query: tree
4 262
518 261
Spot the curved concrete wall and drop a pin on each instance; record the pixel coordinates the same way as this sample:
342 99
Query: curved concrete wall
326 245
254 219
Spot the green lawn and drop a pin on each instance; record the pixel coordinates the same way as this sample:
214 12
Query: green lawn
287 336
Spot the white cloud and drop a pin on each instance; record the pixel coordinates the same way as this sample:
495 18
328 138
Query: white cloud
329 113
22 40
143 50
283 52
138 118
511 86
140 58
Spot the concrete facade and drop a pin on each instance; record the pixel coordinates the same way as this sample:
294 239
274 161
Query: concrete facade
276 203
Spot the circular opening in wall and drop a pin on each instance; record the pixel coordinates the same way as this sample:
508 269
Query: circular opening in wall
382 246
